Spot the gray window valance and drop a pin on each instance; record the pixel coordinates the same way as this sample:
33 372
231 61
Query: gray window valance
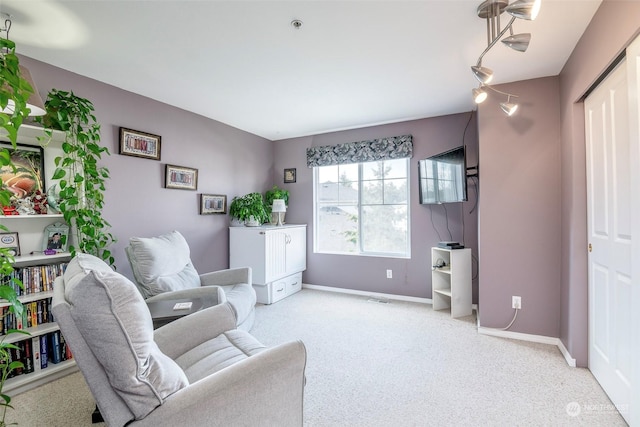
395 147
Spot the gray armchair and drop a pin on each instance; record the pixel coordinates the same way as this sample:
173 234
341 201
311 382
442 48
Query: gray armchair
198 370
162 269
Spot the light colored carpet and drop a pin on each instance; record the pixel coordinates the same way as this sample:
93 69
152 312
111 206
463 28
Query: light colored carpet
397 364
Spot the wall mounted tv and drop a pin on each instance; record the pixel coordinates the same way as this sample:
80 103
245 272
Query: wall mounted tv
443 177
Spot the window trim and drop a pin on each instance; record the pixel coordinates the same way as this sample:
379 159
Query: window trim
359 205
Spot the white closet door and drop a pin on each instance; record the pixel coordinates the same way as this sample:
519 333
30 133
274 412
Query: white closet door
612 224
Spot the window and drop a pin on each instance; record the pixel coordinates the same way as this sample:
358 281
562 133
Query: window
362 208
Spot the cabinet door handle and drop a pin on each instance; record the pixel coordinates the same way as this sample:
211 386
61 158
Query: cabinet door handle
262 232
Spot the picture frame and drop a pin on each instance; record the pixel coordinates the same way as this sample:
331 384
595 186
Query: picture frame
213 204
289 175
181 177
10 241
28 177
56 237
139 144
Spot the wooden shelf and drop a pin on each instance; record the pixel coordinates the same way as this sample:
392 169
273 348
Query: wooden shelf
43 329
29 134
446 292
36 296
27 381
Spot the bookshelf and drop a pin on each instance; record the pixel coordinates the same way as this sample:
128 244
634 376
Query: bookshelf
39 284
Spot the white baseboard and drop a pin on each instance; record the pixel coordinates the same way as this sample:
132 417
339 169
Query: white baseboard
532 338
368 294
481 330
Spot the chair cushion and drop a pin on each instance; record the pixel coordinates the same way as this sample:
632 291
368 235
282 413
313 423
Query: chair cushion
114 320
162 264
211 356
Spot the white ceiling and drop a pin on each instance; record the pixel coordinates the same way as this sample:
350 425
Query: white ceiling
352 63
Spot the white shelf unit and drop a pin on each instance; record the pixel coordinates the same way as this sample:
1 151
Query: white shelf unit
451 284
277 256
30 229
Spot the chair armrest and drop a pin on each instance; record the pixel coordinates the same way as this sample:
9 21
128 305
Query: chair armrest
181 335
209 292
264 389
230 276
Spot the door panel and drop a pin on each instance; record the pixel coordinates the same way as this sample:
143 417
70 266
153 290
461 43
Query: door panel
609 230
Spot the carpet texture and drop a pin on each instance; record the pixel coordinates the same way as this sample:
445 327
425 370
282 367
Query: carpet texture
396 364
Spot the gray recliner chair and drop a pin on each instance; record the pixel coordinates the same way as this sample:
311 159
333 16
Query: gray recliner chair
163 270
198 370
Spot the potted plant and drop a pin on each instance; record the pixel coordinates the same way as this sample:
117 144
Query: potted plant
14 95
249 209
81 181
269 196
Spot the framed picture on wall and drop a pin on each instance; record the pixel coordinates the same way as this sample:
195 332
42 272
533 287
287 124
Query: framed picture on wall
139 144
289 175
181 177
213 204
28 176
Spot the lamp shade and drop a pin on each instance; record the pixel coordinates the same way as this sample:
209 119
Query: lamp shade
524 9
34 103
509 108
278 206
483 74
479 95
519 42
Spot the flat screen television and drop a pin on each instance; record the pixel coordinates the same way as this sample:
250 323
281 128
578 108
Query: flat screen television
443 177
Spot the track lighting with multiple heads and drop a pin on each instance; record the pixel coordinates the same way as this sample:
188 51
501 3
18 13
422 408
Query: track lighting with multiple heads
491 10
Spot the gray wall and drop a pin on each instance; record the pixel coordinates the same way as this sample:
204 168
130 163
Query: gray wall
411 277
519 212
611 30
229 161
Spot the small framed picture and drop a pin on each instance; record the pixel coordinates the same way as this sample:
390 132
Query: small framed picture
289 175
56 237
213 204
139 144
181 177
11 242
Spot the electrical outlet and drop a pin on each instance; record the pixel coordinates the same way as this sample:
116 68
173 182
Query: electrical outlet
516 302
389 274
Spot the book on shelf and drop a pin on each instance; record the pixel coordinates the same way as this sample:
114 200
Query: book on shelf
27 355
55 353
44 353
35 350
37 278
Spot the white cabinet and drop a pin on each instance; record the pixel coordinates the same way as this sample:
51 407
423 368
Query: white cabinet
277 256
451 280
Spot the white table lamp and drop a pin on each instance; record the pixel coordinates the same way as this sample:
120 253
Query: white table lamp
279 207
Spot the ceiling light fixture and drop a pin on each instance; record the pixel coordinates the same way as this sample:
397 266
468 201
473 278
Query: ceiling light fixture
34 103
491 10
508 107
479 95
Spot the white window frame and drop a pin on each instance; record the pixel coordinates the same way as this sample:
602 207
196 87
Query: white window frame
361 252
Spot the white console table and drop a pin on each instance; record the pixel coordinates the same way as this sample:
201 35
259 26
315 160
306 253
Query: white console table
277 256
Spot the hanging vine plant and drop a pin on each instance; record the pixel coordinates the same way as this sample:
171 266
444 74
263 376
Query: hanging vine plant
14 94
81 180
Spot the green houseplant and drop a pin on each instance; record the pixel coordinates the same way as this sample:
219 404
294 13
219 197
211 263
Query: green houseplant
14 94
247 208
81 180
270 195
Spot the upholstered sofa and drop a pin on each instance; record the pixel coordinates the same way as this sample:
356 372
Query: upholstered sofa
198 370
162 266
